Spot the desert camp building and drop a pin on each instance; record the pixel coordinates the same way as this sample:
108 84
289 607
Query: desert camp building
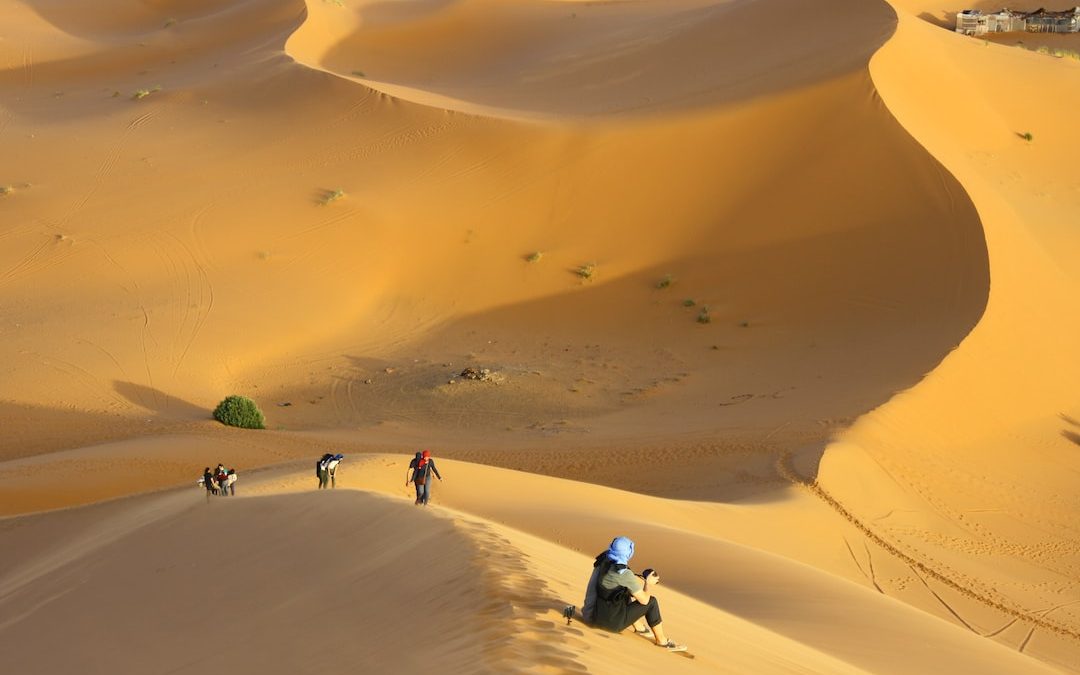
976 22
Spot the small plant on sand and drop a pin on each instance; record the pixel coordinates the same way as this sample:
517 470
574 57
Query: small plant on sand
358 73
239 411
534 256
665 282
586 271
689 302
1027 136
332 196
169 22
5 190
704 316
143 93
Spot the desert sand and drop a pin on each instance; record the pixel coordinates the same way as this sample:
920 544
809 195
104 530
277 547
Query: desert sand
783 291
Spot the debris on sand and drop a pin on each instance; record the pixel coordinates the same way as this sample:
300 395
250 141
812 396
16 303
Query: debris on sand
478 375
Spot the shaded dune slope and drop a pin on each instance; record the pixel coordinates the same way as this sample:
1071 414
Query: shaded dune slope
264 580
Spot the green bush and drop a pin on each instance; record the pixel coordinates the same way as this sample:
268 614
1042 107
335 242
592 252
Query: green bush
240 411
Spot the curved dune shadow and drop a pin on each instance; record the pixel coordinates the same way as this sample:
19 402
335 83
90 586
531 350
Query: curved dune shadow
159 402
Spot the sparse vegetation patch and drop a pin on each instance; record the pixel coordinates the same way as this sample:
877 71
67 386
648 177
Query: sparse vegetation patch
586 271
704 316
534 256
143 93
689 302
664 282
1027 136
332 196
239 411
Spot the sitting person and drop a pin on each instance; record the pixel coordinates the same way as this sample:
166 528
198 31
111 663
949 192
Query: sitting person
617 598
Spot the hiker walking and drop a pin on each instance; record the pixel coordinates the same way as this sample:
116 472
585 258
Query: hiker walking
322 470
209 483
410 476
222 478
617 598
331 468
422 467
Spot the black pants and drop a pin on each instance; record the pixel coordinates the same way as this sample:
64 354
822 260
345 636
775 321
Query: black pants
651 612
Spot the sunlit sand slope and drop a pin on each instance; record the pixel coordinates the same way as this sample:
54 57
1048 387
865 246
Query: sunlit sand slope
973 472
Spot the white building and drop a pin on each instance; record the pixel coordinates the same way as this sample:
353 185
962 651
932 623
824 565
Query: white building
975 22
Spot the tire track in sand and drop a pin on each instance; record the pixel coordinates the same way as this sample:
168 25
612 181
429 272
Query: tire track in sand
198 295
969 589
108 164
28 66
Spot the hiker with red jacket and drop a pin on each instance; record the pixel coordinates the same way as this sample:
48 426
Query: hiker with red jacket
422 466
616 598
222 478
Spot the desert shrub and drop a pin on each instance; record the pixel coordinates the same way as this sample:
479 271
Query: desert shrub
143 93
534 256
664 282
1027 136
239 411
586 271
331 196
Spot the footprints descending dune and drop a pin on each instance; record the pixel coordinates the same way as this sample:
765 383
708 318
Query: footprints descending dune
925 567
142 119
520 628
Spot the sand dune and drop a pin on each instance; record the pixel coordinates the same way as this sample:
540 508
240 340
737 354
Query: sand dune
287 580
787 300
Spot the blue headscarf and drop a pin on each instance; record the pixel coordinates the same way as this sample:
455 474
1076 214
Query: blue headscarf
621 550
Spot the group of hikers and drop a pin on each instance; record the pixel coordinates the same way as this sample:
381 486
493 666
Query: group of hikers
222 481
615 599
219 482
